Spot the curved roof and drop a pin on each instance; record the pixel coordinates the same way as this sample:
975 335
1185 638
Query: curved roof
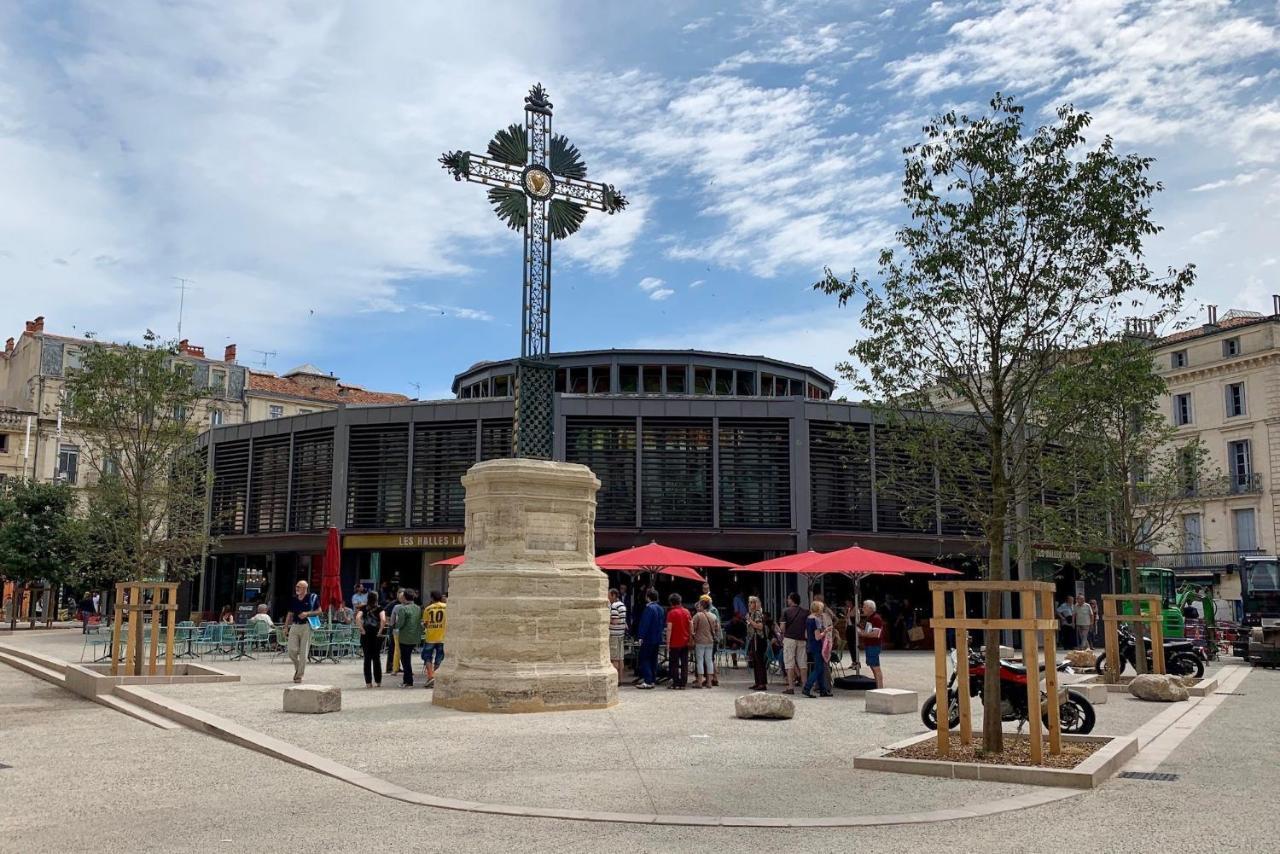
661 356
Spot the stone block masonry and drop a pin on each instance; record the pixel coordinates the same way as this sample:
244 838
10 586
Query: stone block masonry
528 614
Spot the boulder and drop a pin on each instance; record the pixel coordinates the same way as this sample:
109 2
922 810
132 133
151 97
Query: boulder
892 701
1158 688
762 704
1081 659
313 699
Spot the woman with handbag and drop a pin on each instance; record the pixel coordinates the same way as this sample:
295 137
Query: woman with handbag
757 644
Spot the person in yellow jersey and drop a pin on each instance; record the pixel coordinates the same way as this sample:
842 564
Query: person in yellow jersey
433 620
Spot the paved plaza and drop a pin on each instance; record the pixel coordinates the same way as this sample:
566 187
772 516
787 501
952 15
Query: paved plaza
79 769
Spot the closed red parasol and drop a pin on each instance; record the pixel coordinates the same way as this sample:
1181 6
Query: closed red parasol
331 572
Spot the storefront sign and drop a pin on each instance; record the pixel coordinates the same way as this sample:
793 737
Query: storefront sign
404 541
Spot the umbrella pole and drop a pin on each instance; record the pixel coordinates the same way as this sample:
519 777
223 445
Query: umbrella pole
857 617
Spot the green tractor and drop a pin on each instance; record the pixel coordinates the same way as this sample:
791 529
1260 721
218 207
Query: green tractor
1158 581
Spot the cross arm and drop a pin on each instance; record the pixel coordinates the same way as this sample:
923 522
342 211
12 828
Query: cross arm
600 197
463 165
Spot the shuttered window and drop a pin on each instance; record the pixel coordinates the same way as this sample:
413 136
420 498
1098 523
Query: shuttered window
608 447
442 453
312 481
495 439
230 487
676 479
906 495
840 476
755 474
377 470
269 485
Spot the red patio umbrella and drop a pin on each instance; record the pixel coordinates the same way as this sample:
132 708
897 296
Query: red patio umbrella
331 573
655 555
857 562
456 560
677 571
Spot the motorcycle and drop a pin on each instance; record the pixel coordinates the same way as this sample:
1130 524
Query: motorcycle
1075 713
1181 658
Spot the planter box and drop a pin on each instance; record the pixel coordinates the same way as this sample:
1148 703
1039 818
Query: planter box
1106 761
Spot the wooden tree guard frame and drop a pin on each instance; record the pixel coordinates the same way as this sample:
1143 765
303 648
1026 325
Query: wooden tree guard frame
1038 619
131 602
1153 615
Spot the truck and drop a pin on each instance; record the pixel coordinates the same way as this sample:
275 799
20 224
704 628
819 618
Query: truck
1157 581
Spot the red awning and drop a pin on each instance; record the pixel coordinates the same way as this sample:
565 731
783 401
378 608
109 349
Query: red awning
859 561
456 560
655 556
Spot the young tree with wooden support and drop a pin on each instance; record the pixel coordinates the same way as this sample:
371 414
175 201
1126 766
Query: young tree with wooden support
1038 627
1021 247
1149 611
157 600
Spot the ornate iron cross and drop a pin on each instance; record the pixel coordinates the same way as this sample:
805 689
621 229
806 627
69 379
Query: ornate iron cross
539 186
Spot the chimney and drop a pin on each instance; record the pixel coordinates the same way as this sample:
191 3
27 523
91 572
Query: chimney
1213 315
36 326
1275 304
190 349
229 355
8 346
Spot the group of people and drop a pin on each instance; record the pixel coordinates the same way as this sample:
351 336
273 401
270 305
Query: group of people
805 638
403 628
1077 622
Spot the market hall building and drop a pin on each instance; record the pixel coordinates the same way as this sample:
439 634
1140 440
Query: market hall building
742 457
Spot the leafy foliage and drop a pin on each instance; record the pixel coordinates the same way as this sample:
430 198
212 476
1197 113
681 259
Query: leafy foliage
457 163
1021 249
135 404
40 538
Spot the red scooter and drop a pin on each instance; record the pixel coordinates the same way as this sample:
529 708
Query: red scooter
1075 713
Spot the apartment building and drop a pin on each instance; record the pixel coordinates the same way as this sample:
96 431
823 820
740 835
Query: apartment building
39 440
1224 387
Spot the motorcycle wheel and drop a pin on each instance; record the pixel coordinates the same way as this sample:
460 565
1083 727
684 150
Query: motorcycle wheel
1186 664
929 711
1075 716
1101 664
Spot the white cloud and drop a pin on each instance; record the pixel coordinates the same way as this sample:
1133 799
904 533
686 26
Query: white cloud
797 48
697 283
459 312
1240 180
1208 235
695 25
655 288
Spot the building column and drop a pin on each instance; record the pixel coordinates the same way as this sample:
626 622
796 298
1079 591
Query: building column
338 487
801 497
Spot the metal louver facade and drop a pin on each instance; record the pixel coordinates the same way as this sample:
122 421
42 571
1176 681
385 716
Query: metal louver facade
312 483
840 476
676 473
607 446
269 485
495 439
754 473
377 475
442 453
230 493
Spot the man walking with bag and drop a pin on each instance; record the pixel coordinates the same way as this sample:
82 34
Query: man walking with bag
297 627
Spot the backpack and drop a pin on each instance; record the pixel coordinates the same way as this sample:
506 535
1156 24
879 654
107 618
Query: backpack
370 621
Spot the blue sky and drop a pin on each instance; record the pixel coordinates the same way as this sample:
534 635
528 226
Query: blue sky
283 157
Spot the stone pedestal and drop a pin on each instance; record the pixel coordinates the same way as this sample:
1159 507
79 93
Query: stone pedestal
313 699
528 611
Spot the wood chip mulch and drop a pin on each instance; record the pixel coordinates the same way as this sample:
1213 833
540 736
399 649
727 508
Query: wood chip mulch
1017 751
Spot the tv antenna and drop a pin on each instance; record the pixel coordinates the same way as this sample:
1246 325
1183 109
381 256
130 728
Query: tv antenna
417 390
183 284
267 355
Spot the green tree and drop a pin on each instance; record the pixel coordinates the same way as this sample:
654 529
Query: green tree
135 404
40 540
1124 459
1021 247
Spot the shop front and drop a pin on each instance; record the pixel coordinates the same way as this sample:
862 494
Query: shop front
386 562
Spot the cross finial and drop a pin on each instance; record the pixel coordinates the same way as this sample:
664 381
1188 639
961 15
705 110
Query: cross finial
536 100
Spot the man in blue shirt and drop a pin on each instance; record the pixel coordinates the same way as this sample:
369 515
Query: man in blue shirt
297 627
653 623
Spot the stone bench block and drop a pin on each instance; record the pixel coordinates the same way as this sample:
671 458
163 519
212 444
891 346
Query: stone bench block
1094 692
313 699
892 701
762 704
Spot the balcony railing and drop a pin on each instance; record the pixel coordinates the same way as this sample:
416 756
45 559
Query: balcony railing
1204 561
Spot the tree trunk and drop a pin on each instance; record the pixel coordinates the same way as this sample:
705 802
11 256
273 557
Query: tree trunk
992 725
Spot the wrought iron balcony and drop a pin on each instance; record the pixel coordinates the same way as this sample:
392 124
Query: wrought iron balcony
1204 561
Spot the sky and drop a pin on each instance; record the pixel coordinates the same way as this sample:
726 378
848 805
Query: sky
282 158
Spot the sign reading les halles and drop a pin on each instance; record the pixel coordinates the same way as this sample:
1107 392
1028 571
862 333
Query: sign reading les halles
404 541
